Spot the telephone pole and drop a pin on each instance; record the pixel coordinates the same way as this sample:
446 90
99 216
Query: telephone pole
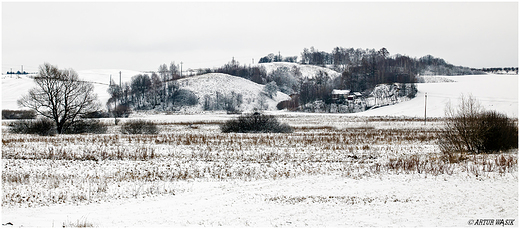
181 69
425 102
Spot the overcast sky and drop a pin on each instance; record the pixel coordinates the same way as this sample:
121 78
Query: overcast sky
142 36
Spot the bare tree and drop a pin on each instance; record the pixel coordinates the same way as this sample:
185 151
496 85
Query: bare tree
60 96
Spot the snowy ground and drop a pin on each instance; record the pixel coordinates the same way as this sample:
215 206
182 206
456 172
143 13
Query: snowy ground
315 201
334 170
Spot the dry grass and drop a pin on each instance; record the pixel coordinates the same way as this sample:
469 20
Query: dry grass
83 222
90 168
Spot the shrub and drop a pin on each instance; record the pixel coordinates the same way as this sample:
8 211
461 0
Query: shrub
43 127
497 132
255 123
122 111
86 126
139 127
96 114
18 114
472 130
185 97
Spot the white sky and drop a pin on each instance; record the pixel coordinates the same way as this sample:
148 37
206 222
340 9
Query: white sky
142 36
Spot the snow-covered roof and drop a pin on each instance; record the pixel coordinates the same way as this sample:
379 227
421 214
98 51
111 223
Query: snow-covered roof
340 92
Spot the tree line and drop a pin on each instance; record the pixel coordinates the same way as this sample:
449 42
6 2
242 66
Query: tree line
147 92
361 71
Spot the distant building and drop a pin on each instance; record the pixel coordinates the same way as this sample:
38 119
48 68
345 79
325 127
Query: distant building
345 95
340 94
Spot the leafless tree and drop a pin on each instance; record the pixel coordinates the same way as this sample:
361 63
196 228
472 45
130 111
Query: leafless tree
60 96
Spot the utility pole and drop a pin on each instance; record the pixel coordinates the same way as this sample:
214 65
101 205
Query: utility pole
181 69
425 102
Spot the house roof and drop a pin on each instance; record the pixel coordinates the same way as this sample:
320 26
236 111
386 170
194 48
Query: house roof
340 92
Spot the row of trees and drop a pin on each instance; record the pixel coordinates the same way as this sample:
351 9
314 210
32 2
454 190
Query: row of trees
277 58
341 59
158 91
496 70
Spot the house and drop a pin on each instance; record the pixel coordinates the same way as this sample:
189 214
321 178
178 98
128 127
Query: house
345 95
340 94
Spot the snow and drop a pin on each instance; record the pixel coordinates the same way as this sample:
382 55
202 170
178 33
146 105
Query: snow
210 84
494 92
334 199
324 201
308 71
15 86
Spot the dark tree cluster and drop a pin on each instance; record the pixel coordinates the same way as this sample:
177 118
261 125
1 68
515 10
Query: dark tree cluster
429 65
341 59
257 74
277 58
497 70
158 91
255 123
17 73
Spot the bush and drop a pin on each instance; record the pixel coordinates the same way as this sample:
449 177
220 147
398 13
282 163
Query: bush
121 111
497 132
255 123
139 127
96 114
185 97
86 126
42 127
18 114
472 130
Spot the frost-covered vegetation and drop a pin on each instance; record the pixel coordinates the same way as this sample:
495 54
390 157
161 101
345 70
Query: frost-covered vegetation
41 170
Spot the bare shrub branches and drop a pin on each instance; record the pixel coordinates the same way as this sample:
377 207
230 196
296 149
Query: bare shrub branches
139 127
255 123
470 129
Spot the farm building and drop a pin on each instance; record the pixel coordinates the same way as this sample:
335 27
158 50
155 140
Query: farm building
345 95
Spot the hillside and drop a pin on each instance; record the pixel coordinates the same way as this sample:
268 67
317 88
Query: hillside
213 83
494 92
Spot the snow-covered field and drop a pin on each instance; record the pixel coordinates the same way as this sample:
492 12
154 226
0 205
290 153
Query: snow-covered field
334 170
381 167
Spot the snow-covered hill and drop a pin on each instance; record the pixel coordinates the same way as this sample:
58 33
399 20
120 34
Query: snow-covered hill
495 92
308 71
14 86
210 84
